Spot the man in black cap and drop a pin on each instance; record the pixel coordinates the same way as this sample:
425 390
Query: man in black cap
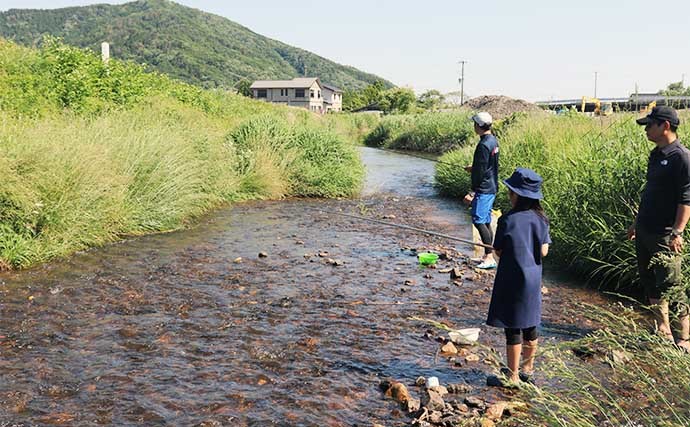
660 222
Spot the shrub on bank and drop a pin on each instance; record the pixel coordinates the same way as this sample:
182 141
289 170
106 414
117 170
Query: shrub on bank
428 132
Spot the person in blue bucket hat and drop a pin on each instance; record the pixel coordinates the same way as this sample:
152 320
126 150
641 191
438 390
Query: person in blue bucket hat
522 240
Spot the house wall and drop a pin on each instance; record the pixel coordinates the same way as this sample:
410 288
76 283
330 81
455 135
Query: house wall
335 99
287 97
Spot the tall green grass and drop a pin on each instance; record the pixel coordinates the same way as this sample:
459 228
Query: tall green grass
351 126
92 152
624 376
593 175
428 132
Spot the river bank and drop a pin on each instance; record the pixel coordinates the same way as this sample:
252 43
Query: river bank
175 329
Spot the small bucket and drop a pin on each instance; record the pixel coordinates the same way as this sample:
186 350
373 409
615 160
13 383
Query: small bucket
427 258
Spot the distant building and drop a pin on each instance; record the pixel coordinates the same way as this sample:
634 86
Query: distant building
332 98
306 92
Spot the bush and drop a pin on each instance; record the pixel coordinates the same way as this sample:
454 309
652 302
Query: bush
593 176
428 132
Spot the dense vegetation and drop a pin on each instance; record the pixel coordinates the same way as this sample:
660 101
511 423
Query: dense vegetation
377 96
428 132
194 46
620 375
593 174
675 89
91 152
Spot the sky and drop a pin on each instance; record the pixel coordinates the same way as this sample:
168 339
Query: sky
534 50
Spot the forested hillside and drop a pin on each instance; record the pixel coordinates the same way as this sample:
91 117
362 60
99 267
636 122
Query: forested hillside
194 46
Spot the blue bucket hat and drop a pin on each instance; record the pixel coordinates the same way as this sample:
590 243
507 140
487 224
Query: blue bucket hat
526 183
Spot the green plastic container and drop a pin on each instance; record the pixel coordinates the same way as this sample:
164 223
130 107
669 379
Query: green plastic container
427 258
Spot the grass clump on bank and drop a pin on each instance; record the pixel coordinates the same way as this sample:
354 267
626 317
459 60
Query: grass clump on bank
428 132
92 152
621 375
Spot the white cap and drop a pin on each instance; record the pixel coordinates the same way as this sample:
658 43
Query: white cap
482 119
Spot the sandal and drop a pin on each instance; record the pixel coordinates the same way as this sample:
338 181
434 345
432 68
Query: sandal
496 381
524 377
487 265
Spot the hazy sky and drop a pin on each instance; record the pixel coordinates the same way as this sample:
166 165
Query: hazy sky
535 50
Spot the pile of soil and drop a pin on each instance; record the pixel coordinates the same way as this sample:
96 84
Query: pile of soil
500 106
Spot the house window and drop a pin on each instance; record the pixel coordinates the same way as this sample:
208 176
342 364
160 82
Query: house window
261 93
299 93
319 94
283 92
311 93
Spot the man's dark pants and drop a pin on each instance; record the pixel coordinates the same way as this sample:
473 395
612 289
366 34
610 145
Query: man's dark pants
660 276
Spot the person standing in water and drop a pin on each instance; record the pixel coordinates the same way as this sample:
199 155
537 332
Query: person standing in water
522 241
484 170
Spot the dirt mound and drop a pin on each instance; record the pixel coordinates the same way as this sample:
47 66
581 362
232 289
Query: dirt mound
500 106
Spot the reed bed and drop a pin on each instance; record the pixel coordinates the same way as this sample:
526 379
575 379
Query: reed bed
93 152
620 375
593 173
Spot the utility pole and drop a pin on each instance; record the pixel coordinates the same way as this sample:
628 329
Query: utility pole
595 83
462 81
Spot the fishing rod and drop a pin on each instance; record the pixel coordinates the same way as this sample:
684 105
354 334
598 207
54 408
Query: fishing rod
406 227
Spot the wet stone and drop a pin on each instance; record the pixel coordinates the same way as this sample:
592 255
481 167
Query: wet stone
432 400
412 405
441 390
449 348
459 388
435 417
495 410
474 402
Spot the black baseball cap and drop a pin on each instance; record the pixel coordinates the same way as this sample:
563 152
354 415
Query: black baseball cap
660 114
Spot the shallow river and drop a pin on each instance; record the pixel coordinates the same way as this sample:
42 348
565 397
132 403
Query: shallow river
173 329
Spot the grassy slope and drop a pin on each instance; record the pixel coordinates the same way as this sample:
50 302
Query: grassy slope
92 152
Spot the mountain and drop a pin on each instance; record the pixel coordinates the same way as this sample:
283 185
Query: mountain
197 47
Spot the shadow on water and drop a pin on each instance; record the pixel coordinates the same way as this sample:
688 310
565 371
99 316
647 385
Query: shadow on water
175 329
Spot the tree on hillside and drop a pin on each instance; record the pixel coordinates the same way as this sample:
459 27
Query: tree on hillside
243 87
675 89
397 100
431 99
355 99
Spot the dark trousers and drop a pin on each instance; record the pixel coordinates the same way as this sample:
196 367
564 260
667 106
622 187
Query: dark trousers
656 276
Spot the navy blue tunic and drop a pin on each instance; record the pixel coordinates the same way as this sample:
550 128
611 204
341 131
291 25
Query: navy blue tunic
516 297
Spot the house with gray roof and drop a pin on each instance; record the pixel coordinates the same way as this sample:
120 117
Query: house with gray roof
304 92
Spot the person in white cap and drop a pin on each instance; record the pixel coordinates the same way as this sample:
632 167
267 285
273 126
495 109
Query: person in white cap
484 170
